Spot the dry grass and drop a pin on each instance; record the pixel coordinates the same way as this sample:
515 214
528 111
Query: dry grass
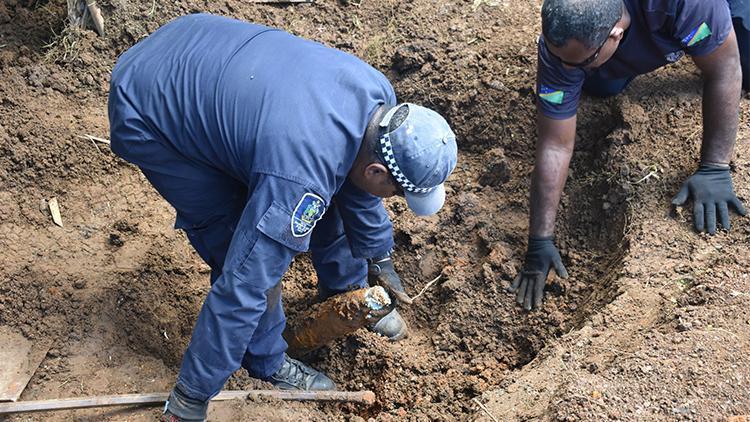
64 47
378 50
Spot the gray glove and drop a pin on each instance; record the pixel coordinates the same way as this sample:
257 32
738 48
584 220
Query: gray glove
181 408
380 271
711 190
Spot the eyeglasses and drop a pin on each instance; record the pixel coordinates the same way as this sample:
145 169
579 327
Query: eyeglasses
591 59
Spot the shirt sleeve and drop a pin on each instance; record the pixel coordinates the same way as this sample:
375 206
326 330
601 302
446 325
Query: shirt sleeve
702 26
558 89
275 225
366 222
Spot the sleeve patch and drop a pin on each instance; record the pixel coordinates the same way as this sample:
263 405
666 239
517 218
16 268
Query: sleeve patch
551 96
697 35
308 211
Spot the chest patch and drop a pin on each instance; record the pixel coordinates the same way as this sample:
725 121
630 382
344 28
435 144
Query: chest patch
308 211
697 35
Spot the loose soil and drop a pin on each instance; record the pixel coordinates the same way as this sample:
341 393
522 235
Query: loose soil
652 324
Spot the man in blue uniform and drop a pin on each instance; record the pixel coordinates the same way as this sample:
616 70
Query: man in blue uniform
268 145
599 46
741 22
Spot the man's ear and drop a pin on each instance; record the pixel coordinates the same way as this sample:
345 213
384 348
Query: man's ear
617 33
375 170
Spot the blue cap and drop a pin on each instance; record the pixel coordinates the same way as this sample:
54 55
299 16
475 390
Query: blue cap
420 153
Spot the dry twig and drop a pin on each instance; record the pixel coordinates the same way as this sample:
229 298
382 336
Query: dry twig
427 286
483 407
153 8
94 138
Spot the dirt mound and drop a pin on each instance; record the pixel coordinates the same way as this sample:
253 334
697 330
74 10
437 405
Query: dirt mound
119 290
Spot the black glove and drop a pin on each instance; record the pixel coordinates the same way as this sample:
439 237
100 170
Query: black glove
380 271
529 283
181 408
710 188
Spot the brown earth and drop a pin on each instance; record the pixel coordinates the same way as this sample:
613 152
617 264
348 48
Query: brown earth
652 324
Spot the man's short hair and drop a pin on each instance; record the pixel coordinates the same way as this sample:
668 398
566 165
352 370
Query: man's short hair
588 21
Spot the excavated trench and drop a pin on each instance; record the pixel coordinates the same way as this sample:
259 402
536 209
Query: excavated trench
468 335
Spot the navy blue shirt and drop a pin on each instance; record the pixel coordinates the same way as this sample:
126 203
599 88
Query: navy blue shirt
660 32
283 115
247 98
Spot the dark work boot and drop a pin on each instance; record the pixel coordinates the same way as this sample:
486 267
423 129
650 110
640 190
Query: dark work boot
295 375
181 408
391 326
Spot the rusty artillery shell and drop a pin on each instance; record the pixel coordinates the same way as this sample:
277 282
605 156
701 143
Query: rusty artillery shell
337 317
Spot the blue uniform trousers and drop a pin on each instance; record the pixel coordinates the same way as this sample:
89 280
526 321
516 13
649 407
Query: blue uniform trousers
209 204
743 42
742 29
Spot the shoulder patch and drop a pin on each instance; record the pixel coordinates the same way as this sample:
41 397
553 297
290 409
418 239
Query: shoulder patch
550 95
308 211
697 35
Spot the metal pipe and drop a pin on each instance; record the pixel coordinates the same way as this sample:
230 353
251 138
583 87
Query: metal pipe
364 397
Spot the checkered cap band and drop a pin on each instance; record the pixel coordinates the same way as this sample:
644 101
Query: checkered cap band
390 160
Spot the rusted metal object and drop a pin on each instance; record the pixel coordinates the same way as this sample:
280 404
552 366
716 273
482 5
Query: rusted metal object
337 317
364 397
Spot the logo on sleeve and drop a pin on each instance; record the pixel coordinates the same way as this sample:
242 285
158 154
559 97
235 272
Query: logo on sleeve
308 211
550 95
699 34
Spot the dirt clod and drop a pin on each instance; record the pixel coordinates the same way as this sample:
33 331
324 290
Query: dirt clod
115 240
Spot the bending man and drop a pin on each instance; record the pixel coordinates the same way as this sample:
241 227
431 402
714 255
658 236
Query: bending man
268 145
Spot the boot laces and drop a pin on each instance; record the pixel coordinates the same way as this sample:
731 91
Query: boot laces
296 371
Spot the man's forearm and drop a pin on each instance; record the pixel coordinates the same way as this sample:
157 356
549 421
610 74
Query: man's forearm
547 182
721 97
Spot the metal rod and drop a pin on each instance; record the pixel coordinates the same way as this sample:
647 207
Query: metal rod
365 397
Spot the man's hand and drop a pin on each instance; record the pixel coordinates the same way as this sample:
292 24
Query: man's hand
529 283
711 190
380 271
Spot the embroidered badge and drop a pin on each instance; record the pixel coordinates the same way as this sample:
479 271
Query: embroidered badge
551 96
308 211
699 34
